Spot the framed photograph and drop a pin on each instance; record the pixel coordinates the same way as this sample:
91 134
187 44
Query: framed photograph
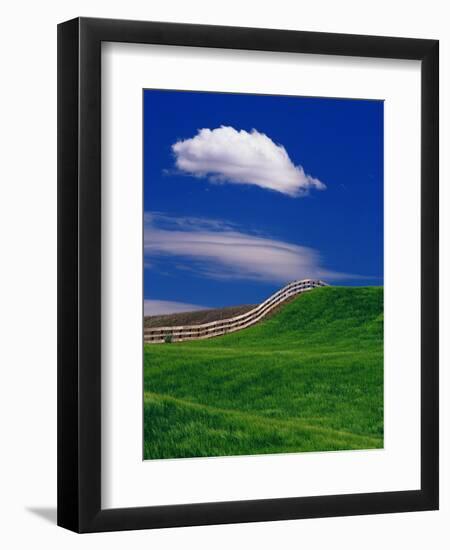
248 275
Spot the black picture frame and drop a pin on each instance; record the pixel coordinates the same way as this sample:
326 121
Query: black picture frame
79 274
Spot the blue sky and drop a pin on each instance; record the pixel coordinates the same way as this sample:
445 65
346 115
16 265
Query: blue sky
243 193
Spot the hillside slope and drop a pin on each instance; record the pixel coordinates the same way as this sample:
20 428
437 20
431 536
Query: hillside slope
310 378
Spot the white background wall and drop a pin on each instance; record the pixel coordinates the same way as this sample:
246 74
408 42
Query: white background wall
28 271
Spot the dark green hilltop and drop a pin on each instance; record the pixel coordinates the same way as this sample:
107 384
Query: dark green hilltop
308 378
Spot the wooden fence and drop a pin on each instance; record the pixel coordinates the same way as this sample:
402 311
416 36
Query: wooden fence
158 335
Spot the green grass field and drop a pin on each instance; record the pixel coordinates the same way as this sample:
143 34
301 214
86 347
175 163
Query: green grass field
309 378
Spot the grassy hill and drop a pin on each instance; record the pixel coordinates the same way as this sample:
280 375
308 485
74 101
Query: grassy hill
309 378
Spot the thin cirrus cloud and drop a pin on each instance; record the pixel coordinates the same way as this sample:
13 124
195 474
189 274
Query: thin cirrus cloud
227 155
219 250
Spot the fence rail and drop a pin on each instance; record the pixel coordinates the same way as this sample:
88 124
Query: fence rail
158 335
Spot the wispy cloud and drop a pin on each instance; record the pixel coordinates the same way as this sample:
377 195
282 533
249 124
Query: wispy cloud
219 250
164 307
236 156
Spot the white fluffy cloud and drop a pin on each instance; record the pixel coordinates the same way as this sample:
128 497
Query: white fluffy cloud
219 250
235 156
